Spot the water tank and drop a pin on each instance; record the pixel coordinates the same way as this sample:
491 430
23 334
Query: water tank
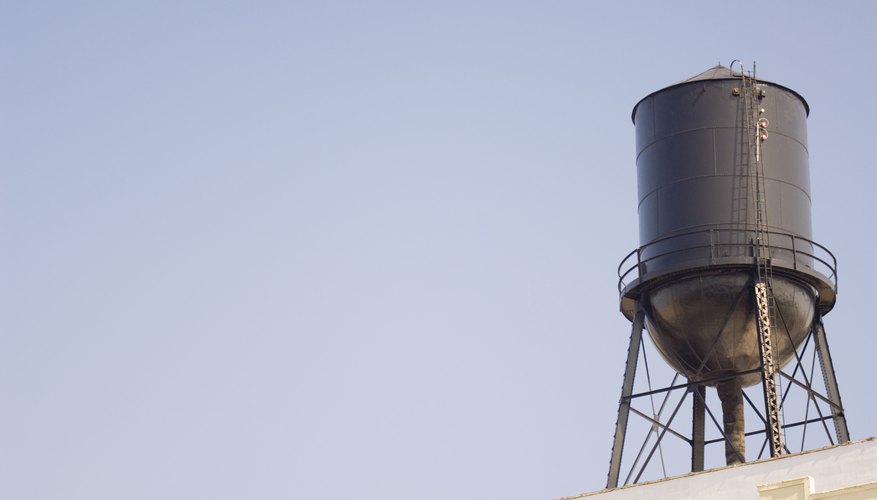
698 191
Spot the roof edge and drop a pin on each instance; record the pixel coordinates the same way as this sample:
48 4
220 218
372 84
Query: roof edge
717 72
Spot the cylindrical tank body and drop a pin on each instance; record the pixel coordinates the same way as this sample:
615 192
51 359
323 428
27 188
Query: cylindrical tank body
693 162
698 192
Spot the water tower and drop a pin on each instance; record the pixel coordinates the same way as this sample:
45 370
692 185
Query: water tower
727 279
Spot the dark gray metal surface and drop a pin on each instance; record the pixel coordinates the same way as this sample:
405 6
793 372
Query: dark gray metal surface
717 72
624 404
698 427
831 390
823 407
698 223
704 323
717 206
692 163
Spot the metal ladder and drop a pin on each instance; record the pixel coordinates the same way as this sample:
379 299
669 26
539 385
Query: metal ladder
765 303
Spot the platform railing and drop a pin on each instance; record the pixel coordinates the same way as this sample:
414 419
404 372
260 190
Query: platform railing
805 255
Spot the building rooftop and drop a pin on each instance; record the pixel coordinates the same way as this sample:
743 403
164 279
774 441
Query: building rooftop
847 471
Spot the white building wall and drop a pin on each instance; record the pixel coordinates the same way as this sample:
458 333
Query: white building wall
839 472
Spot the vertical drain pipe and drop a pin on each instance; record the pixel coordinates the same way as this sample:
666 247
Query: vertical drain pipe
731 396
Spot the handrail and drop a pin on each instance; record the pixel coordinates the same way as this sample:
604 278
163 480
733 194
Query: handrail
827 263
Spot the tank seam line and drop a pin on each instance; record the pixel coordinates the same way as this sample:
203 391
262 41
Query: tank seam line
640 202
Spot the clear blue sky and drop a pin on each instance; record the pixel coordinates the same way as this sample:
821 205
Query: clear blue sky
314 249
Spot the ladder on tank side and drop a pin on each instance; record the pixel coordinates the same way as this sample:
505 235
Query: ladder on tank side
755 133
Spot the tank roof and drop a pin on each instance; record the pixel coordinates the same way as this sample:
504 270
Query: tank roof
717 72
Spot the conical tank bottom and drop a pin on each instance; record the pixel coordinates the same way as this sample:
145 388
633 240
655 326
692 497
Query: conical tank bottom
705 324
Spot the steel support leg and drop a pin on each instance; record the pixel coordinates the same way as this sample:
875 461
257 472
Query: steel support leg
840 419
636 335
698 421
